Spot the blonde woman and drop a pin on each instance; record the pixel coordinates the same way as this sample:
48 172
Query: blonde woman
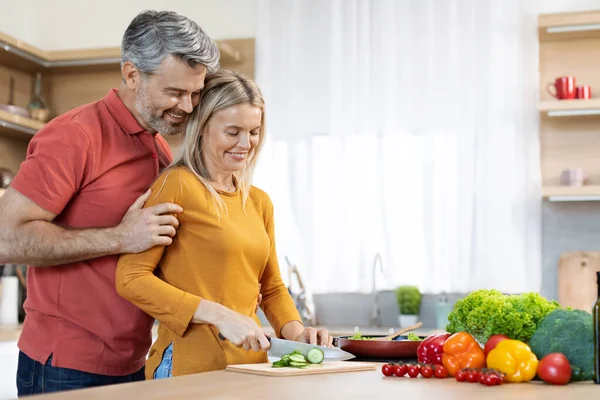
205 282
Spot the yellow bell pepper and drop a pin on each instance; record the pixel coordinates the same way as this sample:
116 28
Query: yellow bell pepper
515 359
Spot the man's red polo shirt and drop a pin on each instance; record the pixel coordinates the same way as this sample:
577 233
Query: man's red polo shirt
88 166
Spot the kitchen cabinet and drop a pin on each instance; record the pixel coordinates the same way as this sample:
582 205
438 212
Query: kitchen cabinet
72 78
569 45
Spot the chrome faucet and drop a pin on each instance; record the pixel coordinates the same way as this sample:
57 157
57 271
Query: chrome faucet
375 310
299 297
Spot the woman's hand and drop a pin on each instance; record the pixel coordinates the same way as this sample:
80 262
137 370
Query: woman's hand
319 337
242 331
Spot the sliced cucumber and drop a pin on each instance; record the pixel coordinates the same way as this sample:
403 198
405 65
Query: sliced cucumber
298 364
297 358
315 356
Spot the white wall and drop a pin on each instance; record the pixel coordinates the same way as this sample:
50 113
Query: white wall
559 6
14 21
71 24
74 24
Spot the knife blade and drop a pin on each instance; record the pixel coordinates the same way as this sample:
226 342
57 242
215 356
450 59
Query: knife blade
280 347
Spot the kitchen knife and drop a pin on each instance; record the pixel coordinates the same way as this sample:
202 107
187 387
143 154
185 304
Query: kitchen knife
279 347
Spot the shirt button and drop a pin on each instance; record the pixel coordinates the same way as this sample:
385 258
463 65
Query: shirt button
154 155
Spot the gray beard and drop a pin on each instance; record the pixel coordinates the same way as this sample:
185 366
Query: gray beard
153 119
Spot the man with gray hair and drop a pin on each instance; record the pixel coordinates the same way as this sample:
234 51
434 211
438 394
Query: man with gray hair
77 203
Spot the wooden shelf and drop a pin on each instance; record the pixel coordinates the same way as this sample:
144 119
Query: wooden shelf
572 193
17 126
567 108
2 192
568 26
18 55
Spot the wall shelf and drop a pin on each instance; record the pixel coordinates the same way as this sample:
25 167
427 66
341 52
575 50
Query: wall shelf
21 56
570 108
569 45
572 193
15 125
568 26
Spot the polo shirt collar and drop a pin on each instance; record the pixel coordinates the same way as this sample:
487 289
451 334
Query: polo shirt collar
121 113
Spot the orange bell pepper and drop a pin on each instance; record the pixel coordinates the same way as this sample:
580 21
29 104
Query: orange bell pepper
461 350
515 359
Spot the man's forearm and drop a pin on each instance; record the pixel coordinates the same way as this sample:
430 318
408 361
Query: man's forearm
41 243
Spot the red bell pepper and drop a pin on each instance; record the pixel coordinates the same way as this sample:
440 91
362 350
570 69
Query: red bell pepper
430 350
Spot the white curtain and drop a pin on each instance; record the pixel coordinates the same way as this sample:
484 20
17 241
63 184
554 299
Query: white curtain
406 128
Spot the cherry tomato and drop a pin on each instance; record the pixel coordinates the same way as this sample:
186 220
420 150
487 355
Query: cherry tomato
500 378
472 376
555 369
413 370
441 372
461 376
387 370
481 377
491 379
400 369
426 371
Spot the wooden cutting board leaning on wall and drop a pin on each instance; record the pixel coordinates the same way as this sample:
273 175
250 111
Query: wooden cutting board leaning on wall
577 285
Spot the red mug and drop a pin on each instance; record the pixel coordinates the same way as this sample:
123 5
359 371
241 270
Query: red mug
584 92
564 88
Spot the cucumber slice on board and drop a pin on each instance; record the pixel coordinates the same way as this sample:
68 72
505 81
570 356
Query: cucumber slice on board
297 358
315 356
298 364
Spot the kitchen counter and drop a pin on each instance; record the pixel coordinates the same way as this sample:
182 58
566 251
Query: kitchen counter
351 385
10 333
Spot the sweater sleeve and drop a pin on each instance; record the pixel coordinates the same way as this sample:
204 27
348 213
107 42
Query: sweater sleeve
277 303
135 278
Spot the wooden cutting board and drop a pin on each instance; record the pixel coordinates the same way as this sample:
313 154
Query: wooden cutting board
324 368
577 285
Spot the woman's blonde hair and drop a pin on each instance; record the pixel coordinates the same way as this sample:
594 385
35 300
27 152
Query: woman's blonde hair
222 89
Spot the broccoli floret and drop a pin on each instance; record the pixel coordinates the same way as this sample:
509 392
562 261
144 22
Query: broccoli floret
569 332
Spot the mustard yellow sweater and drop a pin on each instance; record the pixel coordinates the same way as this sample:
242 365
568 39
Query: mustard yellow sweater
218 260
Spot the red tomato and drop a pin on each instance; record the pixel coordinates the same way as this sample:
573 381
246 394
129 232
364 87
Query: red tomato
426 371
472 376
492 342
555 369
441 372
413 370
400 370
387 370
482 377
490 379
500 379
461 376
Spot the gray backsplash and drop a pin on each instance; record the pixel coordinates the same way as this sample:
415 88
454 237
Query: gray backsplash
354 309
566 226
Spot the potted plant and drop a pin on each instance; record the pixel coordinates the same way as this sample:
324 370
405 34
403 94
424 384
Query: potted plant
409 305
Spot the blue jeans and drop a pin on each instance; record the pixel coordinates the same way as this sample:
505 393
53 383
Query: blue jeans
35 378
165 369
